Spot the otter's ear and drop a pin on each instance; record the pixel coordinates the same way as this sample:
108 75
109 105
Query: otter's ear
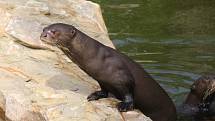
73 32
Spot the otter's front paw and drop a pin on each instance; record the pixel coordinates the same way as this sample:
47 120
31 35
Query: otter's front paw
97 95
125 106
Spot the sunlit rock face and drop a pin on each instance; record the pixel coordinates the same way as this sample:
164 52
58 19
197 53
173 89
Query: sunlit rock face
38 82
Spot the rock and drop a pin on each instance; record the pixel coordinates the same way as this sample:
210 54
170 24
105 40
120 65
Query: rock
38 82
18 25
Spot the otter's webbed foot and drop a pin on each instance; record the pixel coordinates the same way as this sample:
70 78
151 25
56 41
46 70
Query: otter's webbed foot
97 95
126 105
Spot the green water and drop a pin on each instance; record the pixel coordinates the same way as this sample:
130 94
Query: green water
174 40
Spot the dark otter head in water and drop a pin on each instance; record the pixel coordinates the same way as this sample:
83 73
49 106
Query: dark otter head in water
57 33
201 89
200 102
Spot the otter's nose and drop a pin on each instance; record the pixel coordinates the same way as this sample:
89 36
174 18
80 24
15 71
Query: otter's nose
43 35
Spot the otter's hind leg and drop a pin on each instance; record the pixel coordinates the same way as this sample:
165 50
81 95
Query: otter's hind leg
124 85
127 104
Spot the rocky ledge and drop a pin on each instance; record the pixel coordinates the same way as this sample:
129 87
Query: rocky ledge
38 82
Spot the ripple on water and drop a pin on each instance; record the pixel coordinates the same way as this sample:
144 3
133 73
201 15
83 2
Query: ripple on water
174 63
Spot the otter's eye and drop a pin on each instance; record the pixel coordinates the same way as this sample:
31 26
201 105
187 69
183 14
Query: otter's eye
53 31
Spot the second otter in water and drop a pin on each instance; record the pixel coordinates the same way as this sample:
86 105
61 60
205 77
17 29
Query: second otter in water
200 102
114 71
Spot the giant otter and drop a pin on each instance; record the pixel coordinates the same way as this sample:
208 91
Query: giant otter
200 102
115 72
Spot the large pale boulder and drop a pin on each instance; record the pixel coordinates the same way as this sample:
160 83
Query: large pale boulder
38 82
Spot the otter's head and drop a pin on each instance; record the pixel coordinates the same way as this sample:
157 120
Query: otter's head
58 33
201 89
200 100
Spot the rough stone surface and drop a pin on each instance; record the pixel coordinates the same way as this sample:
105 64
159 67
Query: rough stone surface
38 82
